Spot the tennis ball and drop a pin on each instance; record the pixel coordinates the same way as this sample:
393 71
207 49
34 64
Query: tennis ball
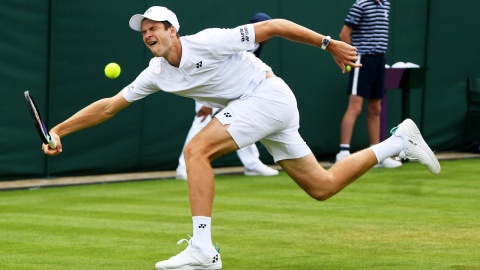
348 68
112 70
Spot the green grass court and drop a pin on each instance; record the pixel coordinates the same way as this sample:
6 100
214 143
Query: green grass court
389 219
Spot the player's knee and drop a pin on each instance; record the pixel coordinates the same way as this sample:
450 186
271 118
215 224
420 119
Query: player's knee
195 151
192 152
325 190
321 195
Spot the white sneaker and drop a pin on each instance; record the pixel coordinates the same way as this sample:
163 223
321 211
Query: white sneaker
341 155
262 170
415 146
389 163
191 259
181 174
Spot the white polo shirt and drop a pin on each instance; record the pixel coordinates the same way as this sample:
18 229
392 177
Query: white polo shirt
215 69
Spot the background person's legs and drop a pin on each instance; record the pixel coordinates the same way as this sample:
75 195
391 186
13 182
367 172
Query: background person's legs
354 109
250 158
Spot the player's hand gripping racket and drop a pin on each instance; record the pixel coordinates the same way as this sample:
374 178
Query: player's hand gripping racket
38 122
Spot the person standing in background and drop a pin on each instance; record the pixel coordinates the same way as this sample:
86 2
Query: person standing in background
366 27
249 156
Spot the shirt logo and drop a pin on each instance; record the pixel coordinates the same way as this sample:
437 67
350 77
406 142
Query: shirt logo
244 34
199 64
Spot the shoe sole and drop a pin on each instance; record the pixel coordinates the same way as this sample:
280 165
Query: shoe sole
188 268
381 166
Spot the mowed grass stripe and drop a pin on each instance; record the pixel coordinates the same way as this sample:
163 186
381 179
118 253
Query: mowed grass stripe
402 218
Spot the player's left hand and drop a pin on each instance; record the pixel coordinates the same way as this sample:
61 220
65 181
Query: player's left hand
343 54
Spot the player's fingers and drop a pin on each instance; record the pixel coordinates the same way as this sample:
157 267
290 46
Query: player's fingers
59 148
57 141
47 150
341 65
355 64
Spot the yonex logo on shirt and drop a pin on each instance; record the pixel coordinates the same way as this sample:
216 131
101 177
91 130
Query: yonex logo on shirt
199 64
244 34
227 114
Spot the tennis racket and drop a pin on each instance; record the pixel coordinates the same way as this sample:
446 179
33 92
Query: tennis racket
38 122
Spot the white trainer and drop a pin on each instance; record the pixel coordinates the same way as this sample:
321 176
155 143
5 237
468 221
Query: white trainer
191 259
389 163
341 155
261 170
181 174
415 146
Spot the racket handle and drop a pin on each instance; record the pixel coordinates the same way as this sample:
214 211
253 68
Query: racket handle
52 143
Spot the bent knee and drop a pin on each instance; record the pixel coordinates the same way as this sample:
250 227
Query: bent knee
193 151
197 151
321 195
324 190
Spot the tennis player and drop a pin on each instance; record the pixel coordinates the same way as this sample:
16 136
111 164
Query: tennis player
213 68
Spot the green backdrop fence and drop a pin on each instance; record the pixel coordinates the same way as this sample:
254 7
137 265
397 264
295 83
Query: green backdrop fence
57 49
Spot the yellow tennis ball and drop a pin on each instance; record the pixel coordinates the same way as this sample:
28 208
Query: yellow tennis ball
112 70
348 68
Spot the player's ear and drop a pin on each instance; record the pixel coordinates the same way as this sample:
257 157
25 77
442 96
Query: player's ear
173 31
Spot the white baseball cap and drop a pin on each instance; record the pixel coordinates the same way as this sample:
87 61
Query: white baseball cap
155 13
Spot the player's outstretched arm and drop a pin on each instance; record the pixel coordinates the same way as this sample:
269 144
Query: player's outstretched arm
343 53
94 114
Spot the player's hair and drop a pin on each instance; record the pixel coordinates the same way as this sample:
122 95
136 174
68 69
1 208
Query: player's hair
167 25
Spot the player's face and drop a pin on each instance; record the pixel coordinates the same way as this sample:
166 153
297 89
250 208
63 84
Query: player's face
158 39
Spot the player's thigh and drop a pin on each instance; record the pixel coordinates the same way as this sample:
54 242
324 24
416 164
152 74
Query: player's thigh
212 141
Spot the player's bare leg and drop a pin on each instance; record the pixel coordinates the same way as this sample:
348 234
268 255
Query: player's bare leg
406 142
210 143
321 184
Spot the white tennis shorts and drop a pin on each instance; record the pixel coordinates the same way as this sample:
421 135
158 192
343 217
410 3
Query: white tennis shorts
269 115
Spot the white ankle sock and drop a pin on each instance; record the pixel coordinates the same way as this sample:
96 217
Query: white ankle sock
202 237
388 148
345 147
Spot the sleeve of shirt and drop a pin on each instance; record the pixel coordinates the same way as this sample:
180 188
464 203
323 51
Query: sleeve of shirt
354 15
225 42
141 87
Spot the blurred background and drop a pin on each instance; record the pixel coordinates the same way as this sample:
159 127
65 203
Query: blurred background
58 49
